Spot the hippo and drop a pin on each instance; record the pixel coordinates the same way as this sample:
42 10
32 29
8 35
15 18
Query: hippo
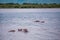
42 21
19 29
37 21
25 30
11 31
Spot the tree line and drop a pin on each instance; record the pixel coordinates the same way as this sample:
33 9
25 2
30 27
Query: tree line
29 5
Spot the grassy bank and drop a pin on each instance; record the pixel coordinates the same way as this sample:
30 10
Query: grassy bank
29 5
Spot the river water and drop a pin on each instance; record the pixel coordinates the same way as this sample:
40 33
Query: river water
49 30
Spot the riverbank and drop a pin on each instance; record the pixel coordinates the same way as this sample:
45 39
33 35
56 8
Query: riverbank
29 5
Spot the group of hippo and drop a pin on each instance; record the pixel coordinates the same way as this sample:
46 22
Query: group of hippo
26 30
39 21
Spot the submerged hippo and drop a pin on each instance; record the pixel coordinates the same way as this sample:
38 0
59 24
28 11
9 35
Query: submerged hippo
19 29
42 21
11 31
25 30
37 21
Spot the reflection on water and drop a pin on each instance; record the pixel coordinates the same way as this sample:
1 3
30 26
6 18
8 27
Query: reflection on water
49 30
